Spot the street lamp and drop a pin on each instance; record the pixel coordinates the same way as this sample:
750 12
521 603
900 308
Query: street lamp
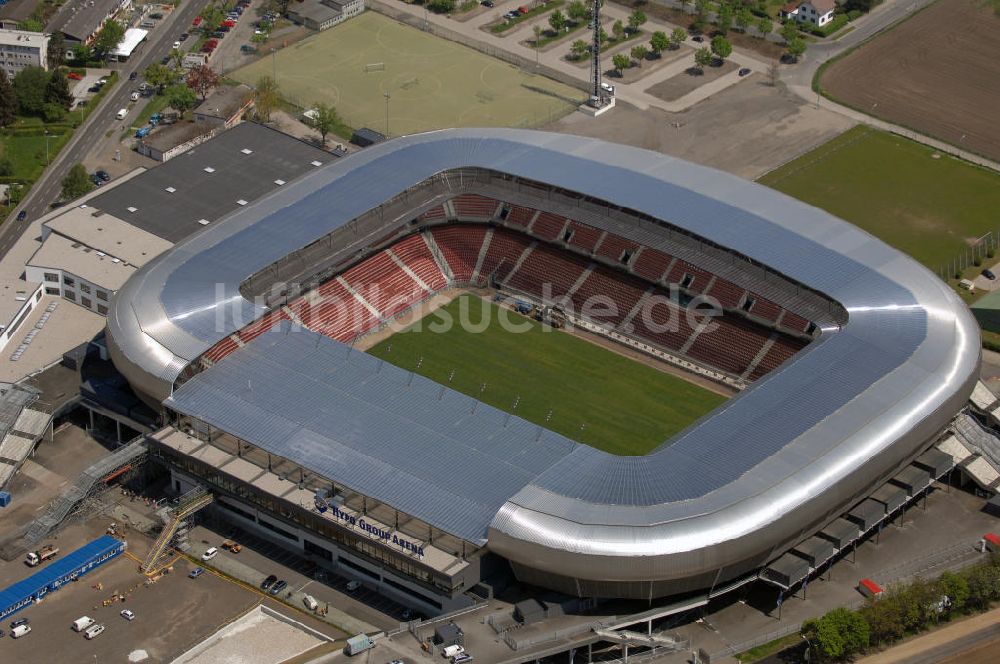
387 114
46 147
274 65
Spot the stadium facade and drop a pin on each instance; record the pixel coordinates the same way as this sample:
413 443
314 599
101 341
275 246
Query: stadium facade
849 357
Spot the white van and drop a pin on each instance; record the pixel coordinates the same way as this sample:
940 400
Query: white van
122 113
310 602
83 623
452 651
93 631
20 631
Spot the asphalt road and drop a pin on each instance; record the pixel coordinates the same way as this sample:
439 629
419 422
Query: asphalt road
101 119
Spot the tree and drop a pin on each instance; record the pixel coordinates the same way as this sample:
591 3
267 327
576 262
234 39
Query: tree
796 47
177 58
81 53
702 58
639 53
765 27
266 97
659 42
602 36
701 9
621 62
76 183
885 622
211 17
618 30
743 18
636 19
8 100
441 6
160 76
579 48
724 18
53 112
677 37
57 49
326 120
202 79
721 47
789 30
578 11
557 21
181 98
29 88
108 38
57 91
838 634
956 588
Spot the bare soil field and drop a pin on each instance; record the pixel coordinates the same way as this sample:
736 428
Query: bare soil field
936 73
689 80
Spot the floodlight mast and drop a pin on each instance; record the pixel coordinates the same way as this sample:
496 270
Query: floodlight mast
595 51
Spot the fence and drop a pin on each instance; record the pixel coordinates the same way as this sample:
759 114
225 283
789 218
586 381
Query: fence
974 254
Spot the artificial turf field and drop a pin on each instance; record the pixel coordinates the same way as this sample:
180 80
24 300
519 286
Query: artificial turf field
624 407
931 207
432 83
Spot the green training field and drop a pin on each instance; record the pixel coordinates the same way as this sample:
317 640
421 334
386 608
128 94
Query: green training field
623 407
432 83
928 204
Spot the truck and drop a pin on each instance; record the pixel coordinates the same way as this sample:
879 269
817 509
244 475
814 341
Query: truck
358 644
36 558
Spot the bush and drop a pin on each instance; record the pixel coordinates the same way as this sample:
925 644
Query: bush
991 252
978 262
854 14
441 6
839 21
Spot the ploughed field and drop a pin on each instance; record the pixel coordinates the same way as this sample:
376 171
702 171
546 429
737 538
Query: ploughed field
937 73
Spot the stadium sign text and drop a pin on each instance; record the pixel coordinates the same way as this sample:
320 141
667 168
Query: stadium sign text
384 535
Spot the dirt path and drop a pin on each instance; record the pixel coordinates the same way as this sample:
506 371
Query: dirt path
948 644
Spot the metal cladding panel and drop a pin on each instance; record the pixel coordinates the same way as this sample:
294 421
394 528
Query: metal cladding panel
774 461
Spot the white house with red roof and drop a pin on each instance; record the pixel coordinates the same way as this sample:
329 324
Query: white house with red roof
816 12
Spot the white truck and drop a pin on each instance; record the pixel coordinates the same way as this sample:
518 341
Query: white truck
83 623
358 644
36 558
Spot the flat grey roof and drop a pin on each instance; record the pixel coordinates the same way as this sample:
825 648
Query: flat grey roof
800 442
199 194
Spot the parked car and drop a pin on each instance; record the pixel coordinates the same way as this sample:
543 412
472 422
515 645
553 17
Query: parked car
19 621
745 71
165 61
134 96
103 175
127 615
989 274
278 587
177 45
196 572
698 38
184 36
353 585
74 76
93 631
22 215
134 75
196 22
268 582
210 553
96 180
488 3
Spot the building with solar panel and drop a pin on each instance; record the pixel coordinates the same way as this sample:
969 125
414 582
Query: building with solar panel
846 360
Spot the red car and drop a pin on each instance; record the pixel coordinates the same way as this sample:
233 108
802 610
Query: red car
196 22
73 75
229 24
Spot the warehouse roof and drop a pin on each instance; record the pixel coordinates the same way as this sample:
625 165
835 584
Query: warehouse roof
210 181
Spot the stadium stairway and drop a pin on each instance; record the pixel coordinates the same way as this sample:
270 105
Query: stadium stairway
975 450
174 520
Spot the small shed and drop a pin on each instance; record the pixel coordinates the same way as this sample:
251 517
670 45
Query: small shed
529 611
364 137
913 480
891 496
840 533
786 571
815 551
867 514
449 634
936 462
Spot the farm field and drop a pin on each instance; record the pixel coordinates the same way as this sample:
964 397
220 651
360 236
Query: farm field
936 73
432 83
927 204
623 407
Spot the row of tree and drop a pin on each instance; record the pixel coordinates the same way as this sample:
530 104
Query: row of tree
902 610
730 14
36 92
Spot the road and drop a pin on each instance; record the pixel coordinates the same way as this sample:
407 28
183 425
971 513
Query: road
100 120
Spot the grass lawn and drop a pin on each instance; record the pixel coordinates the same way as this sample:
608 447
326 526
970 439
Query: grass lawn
625 407
925 203
432 83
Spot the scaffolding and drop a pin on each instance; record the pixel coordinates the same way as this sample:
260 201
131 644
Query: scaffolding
175 526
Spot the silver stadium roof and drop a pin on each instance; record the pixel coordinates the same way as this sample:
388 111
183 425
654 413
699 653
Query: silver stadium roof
763 471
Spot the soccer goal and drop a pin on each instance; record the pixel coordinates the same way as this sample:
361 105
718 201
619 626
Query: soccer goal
375 66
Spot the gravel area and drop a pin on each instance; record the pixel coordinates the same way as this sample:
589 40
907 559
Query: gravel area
256 638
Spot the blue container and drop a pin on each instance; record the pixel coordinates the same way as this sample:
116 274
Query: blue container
4 499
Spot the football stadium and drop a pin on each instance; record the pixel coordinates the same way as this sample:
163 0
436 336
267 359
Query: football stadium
735 369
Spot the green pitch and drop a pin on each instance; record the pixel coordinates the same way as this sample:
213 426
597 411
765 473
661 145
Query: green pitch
432 83
595 396
931 207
